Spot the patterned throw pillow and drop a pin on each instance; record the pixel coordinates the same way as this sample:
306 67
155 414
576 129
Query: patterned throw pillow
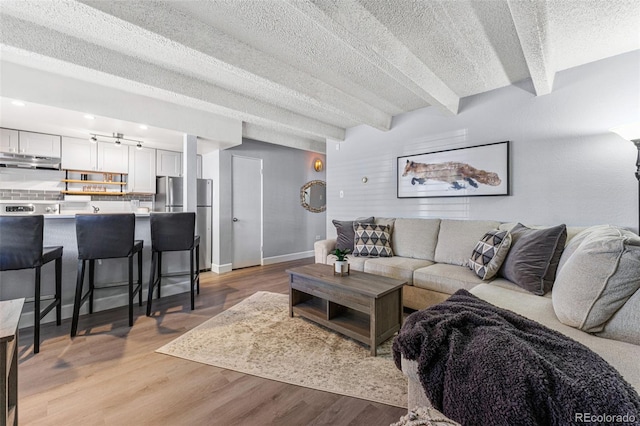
489 253
372 240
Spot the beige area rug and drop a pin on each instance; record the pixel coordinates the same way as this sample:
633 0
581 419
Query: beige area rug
257 337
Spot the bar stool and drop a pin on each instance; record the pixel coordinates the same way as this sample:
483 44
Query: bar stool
173 232
105 236
21 248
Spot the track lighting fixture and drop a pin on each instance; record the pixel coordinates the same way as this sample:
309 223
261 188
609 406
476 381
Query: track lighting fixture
119 138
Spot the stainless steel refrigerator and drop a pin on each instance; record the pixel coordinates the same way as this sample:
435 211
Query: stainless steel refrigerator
169 199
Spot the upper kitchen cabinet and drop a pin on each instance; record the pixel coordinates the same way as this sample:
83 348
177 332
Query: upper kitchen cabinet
9 141
29 143
168 163
142 170
113 158
199 166
39 144
80 154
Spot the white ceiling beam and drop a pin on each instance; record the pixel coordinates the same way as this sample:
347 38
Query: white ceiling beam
31 45
157 34
530 19
259 133
349 22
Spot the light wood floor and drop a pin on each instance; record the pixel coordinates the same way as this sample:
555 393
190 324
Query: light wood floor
110 375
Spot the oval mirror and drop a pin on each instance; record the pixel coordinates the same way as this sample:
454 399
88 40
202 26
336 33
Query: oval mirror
313 196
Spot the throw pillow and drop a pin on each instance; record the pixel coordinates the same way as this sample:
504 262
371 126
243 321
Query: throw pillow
372 240
533 258
598 278
346 233
489 254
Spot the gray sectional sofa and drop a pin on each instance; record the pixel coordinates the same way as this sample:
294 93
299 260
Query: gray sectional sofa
595 299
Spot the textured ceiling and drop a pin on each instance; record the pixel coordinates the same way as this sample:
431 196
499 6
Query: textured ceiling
297 72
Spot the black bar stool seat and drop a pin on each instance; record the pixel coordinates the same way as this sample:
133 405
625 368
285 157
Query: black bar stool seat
173 232
105 236
21 248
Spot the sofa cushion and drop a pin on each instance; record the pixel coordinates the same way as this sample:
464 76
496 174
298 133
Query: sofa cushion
372 240
456 239
445 278
598 277
489 253
400 268
346 232
533 258
415 238
624 325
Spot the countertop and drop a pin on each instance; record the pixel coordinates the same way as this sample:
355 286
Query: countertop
73 215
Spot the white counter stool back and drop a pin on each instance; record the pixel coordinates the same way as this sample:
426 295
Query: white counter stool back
105 236
173 232
21 248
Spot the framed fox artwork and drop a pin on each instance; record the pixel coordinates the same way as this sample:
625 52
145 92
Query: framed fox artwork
461 172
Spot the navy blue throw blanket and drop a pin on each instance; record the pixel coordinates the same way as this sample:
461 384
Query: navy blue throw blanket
483 365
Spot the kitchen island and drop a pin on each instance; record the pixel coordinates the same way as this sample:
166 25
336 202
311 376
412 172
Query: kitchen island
59 230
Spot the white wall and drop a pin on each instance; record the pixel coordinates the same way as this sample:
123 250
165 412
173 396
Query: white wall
289 230
567 167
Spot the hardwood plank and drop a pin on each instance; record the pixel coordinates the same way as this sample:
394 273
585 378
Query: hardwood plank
110 375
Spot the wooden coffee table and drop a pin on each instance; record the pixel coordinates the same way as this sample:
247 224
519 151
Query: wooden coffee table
364 307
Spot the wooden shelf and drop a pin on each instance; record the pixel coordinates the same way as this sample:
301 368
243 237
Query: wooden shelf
91 193
93 172
71 185
93 181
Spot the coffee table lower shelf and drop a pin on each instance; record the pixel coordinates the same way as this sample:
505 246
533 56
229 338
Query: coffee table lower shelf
353 324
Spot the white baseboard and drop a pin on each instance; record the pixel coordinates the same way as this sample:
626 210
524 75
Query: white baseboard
221 269
287 257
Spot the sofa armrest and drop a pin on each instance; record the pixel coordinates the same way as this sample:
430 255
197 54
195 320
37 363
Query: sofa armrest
322 249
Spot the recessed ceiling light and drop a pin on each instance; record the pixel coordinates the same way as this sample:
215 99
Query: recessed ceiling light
143 127
18 103
89 117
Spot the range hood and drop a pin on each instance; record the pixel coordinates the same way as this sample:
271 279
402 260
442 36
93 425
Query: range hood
28 161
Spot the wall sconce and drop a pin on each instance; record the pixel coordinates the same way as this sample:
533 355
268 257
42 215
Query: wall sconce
317 165
631 132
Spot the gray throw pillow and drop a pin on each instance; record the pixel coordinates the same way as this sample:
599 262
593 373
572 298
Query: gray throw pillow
346 232
533 258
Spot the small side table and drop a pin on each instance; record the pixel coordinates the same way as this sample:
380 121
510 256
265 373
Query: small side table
10 311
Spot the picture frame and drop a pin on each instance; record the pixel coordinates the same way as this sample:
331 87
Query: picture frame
480 170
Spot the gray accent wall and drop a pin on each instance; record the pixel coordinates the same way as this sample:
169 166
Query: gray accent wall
566 166
288 229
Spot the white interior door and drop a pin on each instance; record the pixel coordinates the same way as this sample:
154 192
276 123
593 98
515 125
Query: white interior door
247 211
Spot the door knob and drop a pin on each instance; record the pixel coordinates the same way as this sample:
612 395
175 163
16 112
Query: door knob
235 219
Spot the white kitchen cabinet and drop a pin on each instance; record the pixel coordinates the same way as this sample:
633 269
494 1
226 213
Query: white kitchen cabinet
142 170
9 141
39 144
29 143
113 158
79 154
168 163
199 166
